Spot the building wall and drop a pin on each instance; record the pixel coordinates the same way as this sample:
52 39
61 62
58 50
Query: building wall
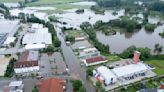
26 69
95 63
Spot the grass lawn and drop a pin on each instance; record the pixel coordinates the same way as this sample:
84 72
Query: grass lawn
158 64
10 1
111 57
75 33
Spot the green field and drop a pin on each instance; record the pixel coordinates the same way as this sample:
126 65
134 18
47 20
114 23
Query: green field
159 66
10 1
60 5
51 2
75 33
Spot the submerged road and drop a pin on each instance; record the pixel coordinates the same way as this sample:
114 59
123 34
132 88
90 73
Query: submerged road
73 63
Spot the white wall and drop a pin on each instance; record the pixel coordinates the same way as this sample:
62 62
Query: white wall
95 63
26 69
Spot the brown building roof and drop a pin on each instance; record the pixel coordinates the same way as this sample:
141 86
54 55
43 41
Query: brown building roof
162 87
29 56
52 85
27 59
95 59
25 64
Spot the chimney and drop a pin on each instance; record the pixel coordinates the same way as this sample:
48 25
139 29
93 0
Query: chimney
136 57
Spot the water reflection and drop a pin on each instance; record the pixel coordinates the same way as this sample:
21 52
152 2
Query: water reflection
140 38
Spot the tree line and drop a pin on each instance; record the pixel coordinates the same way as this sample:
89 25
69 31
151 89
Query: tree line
88 28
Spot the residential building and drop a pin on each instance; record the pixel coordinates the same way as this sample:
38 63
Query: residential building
27 63
88 53
94 60
52 85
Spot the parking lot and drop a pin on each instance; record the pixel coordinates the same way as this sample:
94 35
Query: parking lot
83 43
52 64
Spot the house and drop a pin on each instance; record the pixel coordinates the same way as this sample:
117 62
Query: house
16 86
88 53
105 75
52 85
94 60
27 63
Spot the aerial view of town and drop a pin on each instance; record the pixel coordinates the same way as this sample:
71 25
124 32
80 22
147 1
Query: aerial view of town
81 45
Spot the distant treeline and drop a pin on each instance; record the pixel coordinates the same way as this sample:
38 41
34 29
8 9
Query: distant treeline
155 5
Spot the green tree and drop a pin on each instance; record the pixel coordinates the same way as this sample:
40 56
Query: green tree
98 85
145 53
22 17
89 71
76 84
82 89
150 27
70 38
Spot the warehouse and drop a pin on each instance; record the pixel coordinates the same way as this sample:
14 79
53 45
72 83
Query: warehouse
3 37
130 71
10 30
37 38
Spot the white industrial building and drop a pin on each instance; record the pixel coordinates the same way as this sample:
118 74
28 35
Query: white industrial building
37 38
35 27
35 46
7 30
105 75
131 70
122 73
9 40
9 27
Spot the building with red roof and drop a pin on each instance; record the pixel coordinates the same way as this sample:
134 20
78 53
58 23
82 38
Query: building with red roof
27 63
94 60
52 85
